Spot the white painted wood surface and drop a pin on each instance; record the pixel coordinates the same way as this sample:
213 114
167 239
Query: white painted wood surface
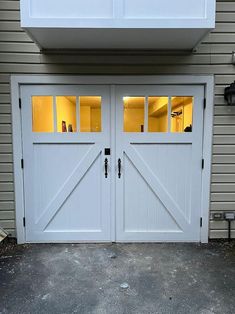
159 192
117 23
67 197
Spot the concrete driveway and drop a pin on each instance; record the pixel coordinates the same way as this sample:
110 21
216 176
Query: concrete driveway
118 278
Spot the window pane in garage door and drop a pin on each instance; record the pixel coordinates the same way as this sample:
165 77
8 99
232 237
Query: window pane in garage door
66 113
157 114
181 114
42 114
134 114
90 113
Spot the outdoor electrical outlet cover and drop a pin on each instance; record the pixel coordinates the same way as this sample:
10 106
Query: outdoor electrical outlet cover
217 216
229 216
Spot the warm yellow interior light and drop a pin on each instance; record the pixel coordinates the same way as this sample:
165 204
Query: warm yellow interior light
42 114
66 113
90 113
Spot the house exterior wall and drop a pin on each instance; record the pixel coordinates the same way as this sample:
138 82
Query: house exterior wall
19 55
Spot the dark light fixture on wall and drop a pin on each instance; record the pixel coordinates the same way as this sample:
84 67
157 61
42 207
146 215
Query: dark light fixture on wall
229 94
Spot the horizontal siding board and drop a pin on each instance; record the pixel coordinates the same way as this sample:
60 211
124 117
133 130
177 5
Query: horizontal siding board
6 187
4 99
9 16
19 47
215 187
14 37
224 149
5 138
6 196
215 48
221 38
5 158
223 197
5 108
6 177
9 5
223 159
224 28
222 6
5 118
223 129
223 168
7 224
221 225
225 17
222 206
4 88
225 110
6 167
225 79
4 78
4 206
5 128
7 215
225 120
221 234
223 177
10 26
5 148
224 139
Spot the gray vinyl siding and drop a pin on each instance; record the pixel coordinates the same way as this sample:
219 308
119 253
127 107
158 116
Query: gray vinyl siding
19 55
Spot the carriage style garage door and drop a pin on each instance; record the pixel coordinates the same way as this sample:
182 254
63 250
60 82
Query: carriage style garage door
89 149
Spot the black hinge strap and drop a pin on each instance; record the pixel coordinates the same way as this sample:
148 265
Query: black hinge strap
203 163
204 103
20 103
22 163
201 222
24 221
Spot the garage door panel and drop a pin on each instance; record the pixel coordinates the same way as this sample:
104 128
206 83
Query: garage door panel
67 187
143 210
157 187
159 148
67 193
53 167
79 212
171 164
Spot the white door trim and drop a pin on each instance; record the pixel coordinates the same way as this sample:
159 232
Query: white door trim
18 80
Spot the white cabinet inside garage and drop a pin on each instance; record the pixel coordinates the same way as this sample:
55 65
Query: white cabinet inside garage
112 163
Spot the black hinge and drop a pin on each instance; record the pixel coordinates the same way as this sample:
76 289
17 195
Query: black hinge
24 221
201 222
22 163
204 103
203 163
20 103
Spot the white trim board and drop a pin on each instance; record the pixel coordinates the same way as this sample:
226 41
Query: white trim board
19 80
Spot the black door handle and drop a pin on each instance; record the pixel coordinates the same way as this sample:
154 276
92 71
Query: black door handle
119 167
106 167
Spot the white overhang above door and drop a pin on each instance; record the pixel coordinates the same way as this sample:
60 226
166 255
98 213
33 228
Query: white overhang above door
117 24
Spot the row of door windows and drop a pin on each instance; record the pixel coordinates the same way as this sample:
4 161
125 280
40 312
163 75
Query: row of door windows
84 114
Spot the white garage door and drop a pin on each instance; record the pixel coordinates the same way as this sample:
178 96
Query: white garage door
68 169
159 147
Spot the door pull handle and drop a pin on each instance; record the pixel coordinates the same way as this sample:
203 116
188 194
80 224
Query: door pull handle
106 167
119 167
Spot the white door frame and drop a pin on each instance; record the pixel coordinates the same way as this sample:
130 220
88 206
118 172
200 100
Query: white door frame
18 80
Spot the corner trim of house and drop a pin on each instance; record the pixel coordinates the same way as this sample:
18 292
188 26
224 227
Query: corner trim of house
18 80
